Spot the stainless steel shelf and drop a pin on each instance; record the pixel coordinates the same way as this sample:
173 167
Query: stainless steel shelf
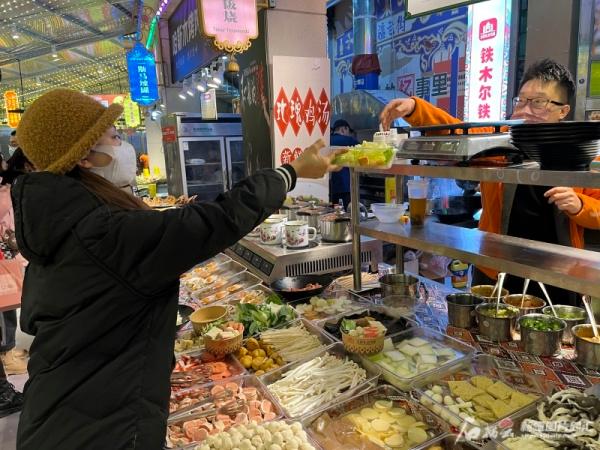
524 174
566 267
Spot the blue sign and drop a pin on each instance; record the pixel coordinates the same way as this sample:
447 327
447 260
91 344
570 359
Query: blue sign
143 84
190 49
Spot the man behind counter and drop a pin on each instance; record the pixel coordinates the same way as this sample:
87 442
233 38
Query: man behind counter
342 135
559 215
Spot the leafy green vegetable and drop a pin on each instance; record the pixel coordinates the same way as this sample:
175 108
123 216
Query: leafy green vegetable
257 318
541 324
367 154
348 325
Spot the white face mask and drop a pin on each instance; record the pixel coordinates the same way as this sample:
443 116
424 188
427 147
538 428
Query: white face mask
107 172
12 149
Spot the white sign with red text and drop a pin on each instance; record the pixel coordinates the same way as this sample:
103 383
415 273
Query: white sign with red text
301 113
488 50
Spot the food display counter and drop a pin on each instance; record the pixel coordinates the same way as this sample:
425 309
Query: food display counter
417 382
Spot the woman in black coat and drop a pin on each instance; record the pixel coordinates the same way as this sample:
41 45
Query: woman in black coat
100 292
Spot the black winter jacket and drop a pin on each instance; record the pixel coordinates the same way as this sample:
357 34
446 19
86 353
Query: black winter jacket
100 296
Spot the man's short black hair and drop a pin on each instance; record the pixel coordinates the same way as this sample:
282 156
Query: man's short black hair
13 133
548 70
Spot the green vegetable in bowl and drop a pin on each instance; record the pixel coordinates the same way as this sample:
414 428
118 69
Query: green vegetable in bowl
257 318
570 315
502 313
539 324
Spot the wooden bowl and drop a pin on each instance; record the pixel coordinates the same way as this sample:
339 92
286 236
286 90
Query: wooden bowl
203 318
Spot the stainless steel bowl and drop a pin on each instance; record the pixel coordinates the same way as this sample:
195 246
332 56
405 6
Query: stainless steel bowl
399 284
586 353
515 300
485 291
567 336
461 309
541 343
497 329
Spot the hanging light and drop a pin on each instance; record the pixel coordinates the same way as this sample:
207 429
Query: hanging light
15 32
54 53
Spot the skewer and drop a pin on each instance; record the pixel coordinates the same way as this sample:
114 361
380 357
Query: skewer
525 286
590 313
543 288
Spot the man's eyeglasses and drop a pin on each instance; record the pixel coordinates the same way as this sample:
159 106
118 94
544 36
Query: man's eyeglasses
537 104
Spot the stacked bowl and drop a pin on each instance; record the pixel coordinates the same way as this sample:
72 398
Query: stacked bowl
559 146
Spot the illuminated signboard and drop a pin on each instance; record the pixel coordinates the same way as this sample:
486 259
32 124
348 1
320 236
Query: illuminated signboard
143 83
488 49
232 23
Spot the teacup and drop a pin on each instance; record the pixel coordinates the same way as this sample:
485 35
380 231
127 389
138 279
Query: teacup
297 234
271 231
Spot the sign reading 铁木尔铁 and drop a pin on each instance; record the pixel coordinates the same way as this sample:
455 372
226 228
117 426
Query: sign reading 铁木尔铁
488 48
232 23
301 113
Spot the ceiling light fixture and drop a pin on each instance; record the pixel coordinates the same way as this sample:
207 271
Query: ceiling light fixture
15 32
182 95
217 80
54 53
212 85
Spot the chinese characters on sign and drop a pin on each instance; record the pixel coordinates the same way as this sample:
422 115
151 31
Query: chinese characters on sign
232 23
143 84
296 112
300 113
488 48
11 102
189 47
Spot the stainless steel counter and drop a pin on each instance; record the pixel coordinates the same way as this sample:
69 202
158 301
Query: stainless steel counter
271 262
524 174
557 265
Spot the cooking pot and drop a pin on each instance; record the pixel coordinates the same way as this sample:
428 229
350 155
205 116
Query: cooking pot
335 227
291 211
312 214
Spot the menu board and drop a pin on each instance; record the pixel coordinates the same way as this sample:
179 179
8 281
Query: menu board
423 7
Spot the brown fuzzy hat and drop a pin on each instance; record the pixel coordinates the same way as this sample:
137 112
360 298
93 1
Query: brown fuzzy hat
61 127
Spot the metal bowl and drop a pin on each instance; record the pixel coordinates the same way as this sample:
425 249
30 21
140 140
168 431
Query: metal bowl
485 291
586 353
283 286
567 336
538 342
497 329
515 300
399 284
461 309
